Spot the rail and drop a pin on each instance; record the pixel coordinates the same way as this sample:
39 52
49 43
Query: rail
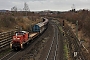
74 45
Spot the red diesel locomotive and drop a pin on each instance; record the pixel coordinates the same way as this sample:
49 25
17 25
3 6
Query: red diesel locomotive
19 39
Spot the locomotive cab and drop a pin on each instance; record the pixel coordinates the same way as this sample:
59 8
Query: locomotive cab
19 39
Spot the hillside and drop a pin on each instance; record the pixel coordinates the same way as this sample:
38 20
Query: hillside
11 22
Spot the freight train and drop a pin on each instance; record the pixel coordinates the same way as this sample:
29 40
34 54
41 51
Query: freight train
22 38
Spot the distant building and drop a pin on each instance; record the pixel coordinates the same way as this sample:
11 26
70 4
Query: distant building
4 10
48 12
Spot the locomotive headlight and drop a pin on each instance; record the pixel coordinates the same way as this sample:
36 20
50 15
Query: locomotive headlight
10 45
16 38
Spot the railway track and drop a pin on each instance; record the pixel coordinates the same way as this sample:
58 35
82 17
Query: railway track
52 54
16 55
56 48
73 44
13 54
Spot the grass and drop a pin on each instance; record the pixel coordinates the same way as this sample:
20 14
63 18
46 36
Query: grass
65 51
60 28
65 48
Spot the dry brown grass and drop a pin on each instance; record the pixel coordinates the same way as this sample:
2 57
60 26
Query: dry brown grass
11 22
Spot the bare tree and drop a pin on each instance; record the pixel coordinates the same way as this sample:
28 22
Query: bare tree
26 8
14 8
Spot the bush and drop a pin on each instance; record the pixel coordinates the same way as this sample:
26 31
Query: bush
83 17
6 21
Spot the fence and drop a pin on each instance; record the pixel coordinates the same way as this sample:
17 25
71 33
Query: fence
5 39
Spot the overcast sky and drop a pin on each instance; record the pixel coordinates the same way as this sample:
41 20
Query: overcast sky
38 5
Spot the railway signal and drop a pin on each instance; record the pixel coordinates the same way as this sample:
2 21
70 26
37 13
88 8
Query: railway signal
77 28
63 23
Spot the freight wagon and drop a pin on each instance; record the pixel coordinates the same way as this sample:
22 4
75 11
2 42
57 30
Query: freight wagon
40 27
